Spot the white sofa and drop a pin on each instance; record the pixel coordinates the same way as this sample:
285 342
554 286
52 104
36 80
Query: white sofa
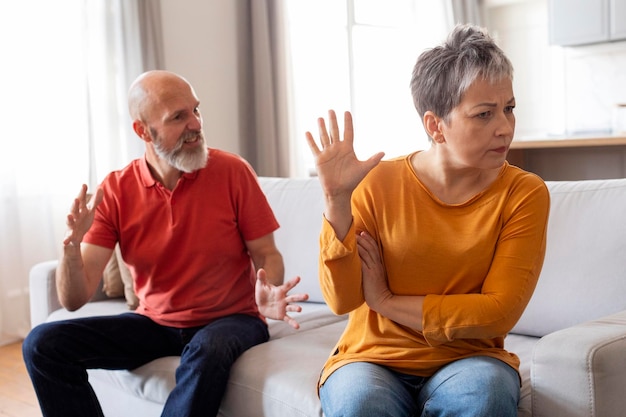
571 338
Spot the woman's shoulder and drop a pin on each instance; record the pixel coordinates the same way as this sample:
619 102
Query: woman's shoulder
521 182
390 169
513 174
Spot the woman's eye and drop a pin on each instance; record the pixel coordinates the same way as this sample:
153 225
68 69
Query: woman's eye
483 115
509 109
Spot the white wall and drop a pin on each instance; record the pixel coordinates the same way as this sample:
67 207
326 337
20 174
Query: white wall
200 44
558 90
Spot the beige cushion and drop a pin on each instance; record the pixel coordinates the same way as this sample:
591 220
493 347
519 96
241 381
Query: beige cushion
117 280
112 284
127 280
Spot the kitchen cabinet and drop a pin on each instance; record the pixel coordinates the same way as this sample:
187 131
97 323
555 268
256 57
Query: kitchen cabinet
571 157
581 22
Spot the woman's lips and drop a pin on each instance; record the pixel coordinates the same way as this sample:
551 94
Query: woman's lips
501 149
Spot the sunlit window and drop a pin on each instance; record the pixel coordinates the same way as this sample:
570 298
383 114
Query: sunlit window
358 55
43 108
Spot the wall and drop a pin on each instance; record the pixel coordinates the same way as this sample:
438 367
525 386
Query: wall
559 90
200 44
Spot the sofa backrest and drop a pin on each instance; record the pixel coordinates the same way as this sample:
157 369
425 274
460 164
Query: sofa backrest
584 273
298 205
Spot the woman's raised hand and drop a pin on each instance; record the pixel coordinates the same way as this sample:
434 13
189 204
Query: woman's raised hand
338 168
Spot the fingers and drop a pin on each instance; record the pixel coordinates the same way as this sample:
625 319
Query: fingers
261 276
294 308
312 145
96 199
291 283
368 249
325 140
293 323
373 160
296 298
334 127
330 135
348 129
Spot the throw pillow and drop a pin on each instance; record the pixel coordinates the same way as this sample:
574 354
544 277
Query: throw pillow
112 284
127 279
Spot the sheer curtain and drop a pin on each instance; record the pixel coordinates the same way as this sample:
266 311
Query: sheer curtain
467 11
265 79
66 69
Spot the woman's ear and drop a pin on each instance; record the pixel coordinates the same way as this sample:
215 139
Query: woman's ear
432 124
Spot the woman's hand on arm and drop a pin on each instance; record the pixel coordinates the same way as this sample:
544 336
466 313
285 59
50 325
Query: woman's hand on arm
338 169
403 309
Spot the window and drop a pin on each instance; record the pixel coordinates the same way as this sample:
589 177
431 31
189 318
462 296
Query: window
358 55
44 93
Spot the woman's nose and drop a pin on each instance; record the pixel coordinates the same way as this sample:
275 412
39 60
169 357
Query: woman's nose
506 124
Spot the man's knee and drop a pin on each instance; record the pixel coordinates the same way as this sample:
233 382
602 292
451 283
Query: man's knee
37 340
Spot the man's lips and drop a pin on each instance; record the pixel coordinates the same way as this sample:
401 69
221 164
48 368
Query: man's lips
192 140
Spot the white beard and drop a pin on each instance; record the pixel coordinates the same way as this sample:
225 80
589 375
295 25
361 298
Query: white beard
181 159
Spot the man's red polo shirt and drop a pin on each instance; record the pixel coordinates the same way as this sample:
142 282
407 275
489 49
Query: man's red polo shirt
185 247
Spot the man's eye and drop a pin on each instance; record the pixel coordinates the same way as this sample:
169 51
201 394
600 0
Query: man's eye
509 109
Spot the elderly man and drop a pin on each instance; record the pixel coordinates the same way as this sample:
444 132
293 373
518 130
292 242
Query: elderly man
197 233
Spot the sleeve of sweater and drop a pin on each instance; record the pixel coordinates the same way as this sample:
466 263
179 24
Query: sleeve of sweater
340 270
510 281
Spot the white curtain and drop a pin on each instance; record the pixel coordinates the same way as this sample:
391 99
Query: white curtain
65 73
466 11
264 76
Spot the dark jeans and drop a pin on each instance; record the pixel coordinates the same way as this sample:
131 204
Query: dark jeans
57 355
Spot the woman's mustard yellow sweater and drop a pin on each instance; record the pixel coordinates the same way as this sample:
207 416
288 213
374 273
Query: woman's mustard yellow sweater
476 263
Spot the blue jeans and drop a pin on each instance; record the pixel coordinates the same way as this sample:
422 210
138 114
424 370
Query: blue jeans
57 355
477 386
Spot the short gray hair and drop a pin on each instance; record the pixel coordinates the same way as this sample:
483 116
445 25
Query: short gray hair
442 74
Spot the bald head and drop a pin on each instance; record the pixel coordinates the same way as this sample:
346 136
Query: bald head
152 88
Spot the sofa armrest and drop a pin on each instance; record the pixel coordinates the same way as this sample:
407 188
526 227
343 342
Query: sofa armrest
43 291
581 371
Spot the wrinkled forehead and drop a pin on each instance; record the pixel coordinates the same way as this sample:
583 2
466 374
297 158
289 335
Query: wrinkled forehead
170 98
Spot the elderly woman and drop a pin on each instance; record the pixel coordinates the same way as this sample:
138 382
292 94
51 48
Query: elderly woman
436 254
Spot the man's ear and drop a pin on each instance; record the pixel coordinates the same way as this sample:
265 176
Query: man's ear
141 130
432 124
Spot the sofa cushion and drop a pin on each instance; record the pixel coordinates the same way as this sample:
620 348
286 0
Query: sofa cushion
584 273
127 280
279 378
523 347
112 284
117 280
154 381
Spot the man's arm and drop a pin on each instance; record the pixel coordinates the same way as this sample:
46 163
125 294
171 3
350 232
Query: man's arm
265 254
271 294
81 266
79 272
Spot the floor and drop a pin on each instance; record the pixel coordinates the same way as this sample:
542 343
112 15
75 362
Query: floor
17 398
